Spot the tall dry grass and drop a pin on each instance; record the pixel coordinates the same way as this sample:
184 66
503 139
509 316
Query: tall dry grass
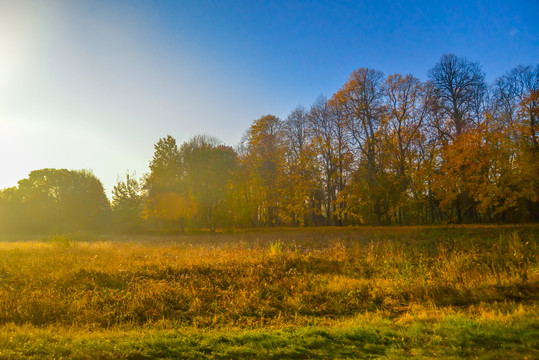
262 278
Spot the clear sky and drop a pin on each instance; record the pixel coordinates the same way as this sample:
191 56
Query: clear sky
94 84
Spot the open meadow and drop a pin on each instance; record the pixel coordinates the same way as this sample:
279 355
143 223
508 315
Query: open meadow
388 292
269 180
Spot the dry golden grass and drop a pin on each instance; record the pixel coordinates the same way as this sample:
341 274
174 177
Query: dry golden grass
272 280
248 280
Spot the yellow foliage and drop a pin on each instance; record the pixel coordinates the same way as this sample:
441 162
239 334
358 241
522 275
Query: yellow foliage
170 206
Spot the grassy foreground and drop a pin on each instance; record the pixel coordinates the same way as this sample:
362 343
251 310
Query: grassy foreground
322 293
501 332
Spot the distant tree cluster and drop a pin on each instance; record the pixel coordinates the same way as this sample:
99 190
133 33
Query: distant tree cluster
52 200
188 185
381 150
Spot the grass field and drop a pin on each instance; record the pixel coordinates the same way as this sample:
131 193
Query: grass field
430 292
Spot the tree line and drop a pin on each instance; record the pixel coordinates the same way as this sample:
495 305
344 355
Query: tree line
381 150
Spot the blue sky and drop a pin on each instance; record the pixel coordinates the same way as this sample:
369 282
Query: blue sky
95 84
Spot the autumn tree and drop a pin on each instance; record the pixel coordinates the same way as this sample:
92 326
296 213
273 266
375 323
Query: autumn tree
265 156
300 177
380 150
209 168
362 100
516 100
321 128
459 90
515 114
245 193
327 124
304 169
171 209
529 156
167 198
408 103
344 159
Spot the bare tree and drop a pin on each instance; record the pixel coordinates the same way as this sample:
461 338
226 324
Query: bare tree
409 103
343 159
302 180
515 91
296 128
460 89
320 125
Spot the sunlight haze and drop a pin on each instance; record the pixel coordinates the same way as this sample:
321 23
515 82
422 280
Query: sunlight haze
249 179
93 85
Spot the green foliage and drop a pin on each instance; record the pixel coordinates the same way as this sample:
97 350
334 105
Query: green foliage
53 200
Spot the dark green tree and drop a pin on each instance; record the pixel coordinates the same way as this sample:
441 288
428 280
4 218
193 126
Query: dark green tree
58 200
166 173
